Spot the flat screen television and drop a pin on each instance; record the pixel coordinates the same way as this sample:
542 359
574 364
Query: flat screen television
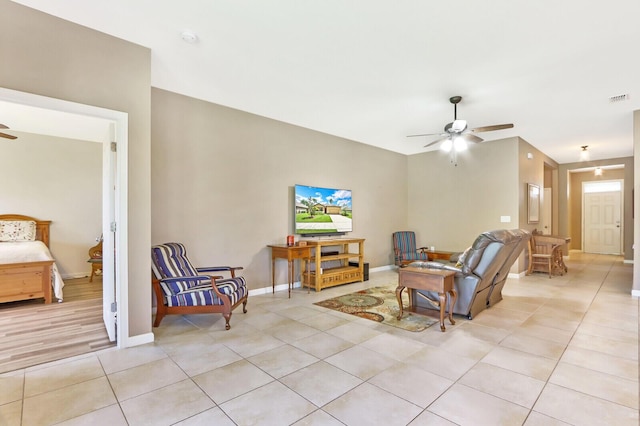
322 211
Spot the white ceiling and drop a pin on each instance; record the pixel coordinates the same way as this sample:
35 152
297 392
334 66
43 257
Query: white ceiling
375 71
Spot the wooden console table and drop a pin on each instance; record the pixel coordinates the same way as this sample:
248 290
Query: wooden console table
438 280
342 272
290 253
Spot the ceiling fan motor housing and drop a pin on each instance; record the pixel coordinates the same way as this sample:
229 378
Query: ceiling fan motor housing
457 126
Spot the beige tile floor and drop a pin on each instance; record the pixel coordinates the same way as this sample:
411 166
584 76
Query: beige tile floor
561 351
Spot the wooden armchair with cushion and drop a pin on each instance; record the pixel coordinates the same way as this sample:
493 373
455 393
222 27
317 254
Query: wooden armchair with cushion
405 250
182 289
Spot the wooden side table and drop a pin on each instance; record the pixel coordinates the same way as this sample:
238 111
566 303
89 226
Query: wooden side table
438 280
440 255
291 254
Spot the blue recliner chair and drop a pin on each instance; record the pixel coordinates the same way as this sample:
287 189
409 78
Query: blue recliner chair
182 289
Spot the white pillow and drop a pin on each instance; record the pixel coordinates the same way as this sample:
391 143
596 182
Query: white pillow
17 230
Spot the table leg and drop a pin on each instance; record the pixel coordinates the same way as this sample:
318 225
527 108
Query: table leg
273 275
443 305
290 277
453 298
307 270
399 297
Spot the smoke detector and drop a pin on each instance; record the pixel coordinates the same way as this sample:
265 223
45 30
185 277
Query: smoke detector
189 36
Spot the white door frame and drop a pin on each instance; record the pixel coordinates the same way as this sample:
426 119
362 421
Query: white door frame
114 207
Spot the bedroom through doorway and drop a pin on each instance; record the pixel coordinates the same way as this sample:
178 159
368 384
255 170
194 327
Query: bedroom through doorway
113 128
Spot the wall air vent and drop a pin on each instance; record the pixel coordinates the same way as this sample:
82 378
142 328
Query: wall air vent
619 98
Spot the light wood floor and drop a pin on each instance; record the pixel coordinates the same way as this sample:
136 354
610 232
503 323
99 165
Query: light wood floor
32 333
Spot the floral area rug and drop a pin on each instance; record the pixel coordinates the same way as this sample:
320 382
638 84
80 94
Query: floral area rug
381 305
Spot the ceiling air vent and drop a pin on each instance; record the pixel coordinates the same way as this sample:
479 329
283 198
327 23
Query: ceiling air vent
619 98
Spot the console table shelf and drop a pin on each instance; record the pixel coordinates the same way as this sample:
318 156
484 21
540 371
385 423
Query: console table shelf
323 276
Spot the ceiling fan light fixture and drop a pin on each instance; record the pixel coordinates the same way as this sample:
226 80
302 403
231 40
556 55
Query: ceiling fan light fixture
447 145
459 144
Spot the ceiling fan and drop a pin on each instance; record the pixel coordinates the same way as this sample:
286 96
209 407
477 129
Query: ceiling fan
456 134
5 135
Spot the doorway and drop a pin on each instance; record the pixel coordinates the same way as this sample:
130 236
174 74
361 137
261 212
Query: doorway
112 127
602 219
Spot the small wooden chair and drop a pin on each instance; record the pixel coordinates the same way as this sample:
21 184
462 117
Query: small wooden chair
95 259
543 255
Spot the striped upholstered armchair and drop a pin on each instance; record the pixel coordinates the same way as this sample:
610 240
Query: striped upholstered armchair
405 250
182 289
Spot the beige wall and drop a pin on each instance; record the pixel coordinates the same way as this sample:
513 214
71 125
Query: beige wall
535 169
48 56
449 206
72 201
222 184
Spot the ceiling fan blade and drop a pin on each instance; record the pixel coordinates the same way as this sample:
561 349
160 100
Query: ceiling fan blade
4 135
428 134
2 126
472 138
436 141
492 128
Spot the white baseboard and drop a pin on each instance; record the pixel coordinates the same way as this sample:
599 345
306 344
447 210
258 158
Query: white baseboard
140 339
517 275
635 293
268 289
383 268
630 262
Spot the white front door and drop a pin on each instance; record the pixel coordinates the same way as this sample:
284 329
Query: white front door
602 222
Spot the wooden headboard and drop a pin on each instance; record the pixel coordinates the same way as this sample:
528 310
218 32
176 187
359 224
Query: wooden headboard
42 226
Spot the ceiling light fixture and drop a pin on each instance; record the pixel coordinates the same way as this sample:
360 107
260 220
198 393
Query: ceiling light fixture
459 144
447 145
598 171
584 154
189 36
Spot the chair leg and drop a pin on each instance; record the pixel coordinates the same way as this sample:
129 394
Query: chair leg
159 316
227 318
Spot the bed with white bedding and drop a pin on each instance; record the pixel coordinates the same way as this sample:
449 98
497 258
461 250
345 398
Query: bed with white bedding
27 268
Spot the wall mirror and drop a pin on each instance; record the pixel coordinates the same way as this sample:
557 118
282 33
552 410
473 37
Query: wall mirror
534 203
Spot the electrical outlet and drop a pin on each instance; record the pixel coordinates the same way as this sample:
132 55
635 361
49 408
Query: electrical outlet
505 219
